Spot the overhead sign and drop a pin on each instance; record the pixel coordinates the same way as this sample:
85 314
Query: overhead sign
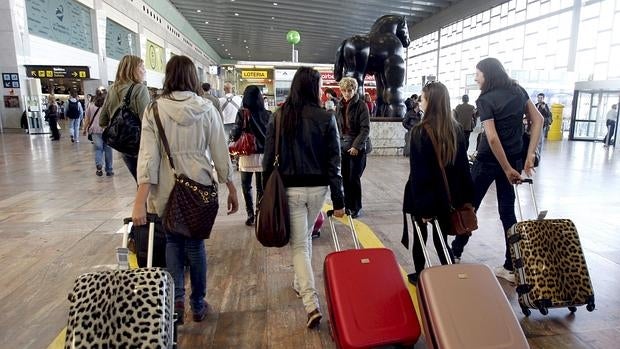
64 21
329 76
155 57
10 80
119 41
285 74
254 74
49 71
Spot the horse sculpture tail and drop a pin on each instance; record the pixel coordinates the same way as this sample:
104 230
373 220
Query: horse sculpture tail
339 64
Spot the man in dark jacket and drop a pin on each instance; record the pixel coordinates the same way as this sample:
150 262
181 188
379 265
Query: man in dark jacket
354 126
465 114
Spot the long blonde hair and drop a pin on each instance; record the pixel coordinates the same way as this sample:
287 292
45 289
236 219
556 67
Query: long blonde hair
438 115
127 71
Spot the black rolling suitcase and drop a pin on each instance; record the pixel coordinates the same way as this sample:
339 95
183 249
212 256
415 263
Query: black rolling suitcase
141 238
550 267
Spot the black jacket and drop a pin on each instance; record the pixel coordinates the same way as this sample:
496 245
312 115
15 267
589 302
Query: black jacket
311 157
358 121
257 126
425 195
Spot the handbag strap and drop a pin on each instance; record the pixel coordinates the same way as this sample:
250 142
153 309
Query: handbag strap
127 99
93 119
277 119
443 171
162 134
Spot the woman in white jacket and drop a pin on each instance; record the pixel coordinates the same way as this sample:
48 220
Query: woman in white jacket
196 136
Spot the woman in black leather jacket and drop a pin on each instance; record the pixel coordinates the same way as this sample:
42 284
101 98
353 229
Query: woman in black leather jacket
253 108
309 162
354 126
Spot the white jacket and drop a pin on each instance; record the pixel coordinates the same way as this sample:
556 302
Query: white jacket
196 135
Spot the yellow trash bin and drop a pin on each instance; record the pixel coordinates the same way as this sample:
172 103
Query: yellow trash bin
555 130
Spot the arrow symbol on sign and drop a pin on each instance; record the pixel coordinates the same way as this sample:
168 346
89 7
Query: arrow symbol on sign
34 73
74 74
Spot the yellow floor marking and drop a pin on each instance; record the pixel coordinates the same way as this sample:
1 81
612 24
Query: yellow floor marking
368 239
59 341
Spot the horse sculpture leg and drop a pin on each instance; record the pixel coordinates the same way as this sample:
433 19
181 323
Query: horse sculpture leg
394 73
356 52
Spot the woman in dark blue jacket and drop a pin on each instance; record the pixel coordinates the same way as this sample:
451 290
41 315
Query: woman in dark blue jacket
425 195
251 118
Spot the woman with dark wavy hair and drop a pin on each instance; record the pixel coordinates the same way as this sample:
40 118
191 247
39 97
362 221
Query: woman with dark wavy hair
309 162
252 118
501 106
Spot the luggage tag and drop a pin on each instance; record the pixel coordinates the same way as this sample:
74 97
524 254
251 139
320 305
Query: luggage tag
122 253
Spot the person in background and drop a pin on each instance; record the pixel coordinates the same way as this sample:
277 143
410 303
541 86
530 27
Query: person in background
130 72
91 126
309 163
501 106
51 116
425 195
251 118
74 113
195 134
266 102
230 106
369 104
412 118
206 88
465 114
612 116
354 126
543 109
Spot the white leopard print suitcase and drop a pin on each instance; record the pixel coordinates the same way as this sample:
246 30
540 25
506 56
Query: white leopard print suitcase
550 266
125 308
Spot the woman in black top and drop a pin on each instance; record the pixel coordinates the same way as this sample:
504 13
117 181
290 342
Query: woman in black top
253 109
501 106
425 193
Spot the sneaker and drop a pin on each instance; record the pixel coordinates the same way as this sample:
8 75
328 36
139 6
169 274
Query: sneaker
250 221
109 174
505 274
179 311
99 171
457 260
314 318
201 315
412 278
72 140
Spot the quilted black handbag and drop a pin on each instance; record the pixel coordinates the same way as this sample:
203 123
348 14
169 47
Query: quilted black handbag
123 133
272 217
192 207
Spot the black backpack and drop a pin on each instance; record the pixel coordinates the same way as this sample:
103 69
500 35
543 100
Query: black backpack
73 111
123 133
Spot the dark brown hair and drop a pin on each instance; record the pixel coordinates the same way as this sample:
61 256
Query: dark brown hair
438 116
181 76
495 75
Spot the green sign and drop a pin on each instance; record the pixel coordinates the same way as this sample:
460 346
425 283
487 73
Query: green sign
65 21
155 57
119 41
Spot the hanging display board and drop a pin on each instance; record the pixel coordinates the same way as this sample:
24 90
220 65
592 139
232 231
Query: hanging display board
119 41
154 57
65 21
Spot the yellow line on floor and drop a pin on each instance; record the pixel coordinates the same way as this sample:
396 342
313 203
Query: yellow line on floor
368 239
59 341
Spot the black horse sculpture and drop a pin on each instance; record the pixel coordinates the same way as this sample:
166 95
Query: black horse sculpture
382 54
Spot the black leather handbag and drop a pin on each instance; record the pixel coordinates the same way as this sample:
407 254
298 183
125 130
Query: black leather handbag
192 206
123 133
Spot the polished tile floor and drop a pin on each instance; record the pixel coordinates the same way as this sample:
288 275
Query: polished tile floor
58 220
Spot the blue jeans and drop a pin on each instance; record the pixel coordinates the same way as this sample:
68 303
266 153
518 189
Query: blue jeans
304 206
246 186
74 127
177 249
101 149
484 174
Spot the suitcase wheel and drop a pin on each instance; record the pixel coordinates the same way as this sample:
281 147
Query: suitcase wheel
526 311
572 309
544 310
590 307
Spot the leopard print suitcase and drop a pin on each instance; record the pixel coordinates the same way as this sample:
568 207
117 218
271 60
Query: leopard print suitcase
121 309
550 266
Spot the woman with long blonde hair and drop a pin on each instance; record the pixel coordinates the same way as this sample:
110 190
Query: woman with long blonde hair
129 75
425 195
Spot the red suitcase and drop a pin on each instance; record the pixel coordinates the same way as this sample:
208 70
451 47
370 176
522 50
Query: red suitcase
367 299
463 306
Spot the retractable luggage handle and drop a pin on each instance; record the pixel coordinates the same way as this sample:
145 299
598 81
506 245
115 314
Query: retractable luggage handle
540 214
122 252
356 242
443 243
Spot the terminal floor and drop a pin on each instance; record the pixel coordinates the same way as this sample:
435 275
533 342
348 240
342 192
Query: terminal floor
58 220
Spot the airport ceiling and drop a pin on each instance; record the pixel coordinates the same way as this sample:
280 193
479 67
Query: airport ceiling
255 30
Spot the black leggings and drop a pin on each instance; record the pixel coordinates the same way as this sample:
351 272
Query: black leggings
418 255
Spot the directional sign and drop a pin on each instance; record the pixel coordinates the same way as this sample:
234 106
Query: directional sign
42 71
10 80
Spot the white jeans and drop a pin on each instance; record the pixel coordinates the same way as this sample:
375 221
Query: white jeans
304 205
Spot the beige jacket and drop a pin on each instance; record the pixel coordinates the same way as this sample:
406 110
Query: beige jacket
196 136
